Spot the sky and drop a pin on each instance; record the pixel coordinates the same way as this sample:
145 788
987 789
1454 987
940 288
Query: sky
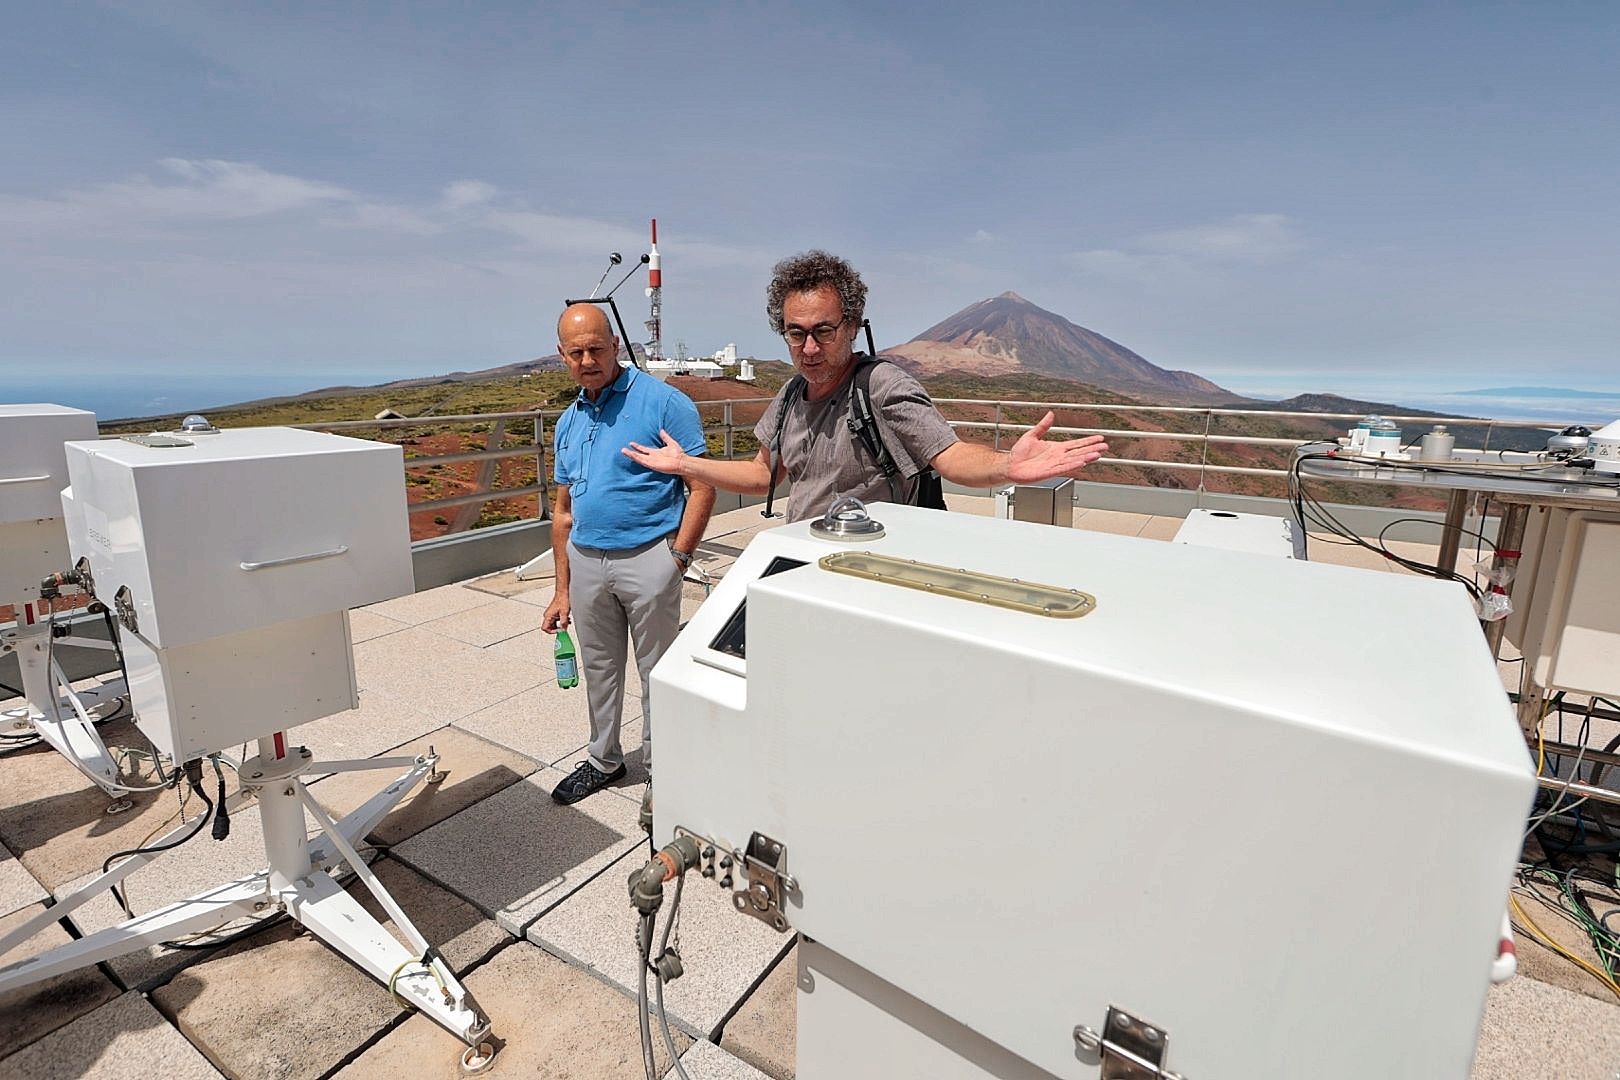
1274 195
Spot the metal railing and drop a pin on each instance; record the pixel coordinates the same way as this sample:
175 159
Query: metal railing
1001 429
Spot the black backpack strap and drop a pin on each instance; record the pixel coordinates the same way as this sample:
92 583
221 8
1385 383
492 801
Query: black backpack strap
793 390
863 425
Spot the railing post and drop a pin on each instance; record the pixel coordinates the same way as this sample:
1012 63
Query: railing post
540 465
1490 426
726 419
998 426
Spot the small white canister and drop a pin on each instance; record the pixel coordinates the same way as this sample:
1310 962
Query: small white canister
1437 445
1383 439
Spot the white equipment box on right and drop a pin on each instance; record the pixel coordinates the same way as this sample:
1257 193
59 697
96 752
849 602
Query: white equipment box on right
1259 534
1014 777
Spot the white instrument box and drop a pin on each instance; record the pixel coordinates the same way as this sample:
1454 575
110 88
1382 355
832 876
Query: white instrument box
33 472
231 559
1192 802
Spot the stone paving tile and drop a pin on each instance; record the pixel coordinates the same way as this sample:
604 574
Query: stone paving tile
55 819
550 1021
724 952
518 853
431 604
764 1030
473 768
1533 1030
381 722
488 623
1161 528
508 584
365 624
706 1061
547 723
18 889
534 647
125 1037
194 866
443 678
32 1012
1110 521
281 1004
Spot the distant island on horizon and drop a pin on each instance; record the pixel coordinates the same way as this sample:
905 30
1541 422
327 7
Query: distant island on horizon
1536 392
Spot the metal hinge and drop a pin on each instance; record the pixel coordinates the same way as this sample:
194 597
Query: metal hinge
765 863
1129 1047
124 604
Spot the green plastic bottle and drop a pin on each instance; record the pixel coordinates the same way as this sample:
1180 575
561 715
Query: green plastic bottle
567 666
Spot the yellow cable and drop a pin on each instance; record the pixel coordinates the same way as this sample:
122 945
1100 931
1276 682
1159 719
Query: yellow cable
1540 936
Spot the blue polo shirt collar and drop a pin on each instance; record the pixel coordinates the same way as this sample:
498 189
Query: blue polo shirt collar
617 386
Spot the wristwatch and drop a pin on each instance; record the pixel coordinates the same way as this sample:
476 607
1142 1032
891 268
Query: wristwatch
682 557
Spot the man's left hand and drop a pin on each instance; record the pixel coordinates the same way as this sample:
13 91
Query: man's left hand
665 459
1033 458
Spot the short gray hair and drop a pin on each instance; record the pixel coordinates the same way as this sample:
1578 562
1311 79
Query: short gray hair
807 272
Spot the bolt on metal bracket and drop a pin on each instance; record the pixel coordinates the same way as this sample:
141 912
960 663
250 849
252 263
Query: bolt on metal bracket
1130 1048
765 864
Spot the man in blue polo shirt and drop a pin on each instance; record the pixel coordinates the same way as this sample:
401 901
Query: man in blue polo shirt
622 535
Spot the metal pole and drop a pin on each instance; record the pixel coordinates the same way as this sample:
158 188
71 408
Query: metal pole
1451 532
1508 540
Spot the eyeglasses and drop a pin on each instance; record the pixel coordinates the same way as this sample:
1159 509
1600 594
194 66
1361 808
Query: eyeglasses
824 333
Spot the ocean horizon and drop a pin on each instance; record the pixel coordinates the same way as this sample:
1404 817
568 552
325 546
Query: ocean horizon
123 397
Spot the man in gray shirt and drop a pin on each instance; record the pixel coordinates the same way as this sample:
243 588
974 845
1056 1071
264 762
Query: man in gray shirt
816 302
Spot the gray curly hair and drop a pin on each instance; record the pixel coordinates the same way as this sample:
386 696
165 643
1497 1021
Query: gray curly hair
807 272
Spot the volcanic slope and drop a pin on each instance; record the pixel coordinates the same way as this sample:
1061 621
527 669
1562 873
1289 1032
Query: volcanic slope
1009 335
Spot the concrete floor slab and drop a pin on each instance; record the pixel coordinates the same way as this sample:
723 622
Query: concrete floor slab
518 853
55 819
198 864
725 952
381 722
473 768
443 678
533 647
1161 528
1116 522
430 604
18 888
764 1031
1533 1030
508 584
706 1061
281 1004
488 623
551 1020
32 1012
545 722
365 624
125 1037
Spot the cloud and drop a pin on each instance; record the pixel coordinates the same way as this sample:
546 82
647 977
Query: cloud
461 194
193 192
1245 238
982 236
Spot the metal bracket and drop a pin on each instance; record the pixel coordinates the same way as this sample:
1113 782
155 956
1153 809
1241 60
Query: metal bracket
765 863
1130 1048
124 604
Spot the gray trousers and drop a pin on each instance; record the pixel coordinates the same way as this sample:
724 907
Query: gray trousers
612 595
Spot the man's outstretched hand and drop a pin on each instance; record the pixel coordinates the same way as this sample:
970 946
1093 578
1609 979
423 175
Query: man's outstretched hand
1034 458
666 459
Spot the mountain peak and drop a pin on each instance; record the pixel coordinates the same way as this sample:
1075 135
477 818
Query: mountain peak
1009 334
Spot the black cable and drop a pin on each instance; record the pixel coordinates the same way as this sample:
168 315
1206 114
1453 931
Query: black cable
194 777
11 691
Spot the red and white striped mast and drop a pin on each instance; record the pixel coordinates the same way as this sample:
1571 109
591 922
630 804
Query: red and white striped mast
655 295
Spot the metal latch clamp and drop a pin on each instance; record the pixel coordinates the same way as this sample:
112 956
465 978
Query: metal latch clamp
765 863
1130 1048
